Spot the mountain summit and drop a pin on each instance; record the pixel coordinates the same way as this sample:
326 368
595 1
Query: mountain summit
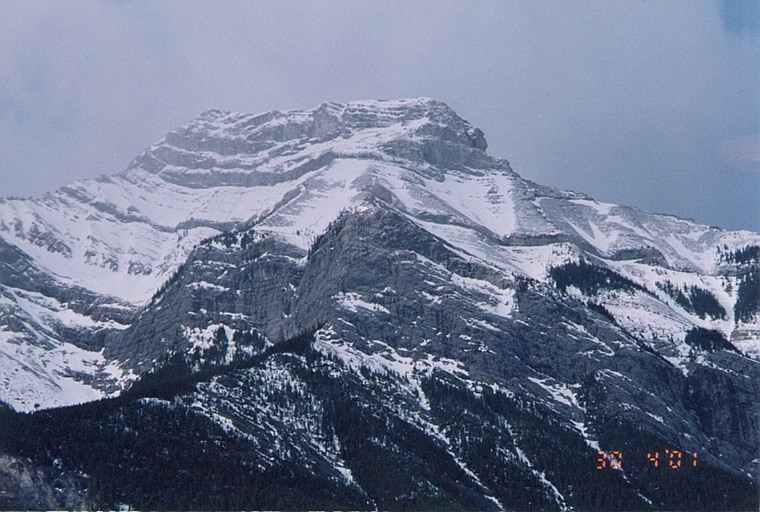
370 260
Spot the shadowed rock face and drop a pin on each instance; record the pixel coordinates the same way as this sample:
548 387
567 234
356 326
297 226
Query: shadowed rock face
25 486
381 285
453 312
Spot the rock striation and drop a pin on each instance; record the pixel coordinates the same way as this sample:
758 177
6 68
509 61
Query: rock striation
364 282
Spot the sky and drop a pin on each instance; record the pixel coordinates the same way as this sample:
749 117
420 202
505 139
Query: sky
652 104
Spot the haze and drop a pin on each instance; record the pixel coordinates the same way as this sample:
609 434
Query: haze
649 104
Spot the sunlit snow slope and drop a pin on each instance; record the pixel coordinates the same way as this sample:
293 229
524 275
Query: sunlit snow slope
81 261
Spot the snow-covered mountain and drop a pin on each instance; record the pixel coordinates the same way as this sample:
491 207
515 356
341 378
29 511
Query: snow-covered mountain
385 226
292 173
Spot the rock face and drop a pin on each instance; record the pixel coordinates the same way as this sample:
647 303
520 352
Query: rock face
361 286
24 486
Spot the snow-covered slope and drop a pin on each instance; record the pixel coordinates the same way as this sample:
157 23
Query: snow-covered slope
291 174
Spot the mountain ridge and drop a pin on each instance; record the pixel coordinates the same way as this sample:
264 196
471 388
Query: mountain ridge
162 232
415 257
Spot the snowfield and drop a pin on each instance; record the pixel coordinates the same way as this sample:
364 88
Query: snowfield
290 174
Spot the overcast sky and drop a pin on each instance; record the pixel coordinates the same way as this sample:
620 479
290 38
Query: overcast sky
652 104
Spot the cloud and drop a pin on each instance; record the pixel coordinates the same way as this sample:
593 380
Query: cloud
741 17
628 102
741 151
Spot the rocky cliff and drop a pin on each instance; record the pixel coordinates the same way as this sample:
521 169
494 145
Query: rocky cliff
360 294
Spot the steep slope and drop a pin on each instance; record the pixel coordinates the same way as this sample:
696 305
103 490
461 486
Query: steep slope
425 268
291 173
121 237
390 296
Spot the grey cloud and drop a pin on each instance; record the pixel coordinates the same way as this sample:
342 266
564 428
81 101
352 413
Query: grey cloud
629 102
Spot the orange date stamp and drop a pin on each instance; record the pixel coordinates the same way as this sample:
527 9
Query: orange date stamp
673 459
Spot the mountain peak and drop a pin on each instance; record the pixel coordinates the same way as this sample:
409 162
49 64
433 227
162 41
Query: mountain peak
221 147
418 269
331 119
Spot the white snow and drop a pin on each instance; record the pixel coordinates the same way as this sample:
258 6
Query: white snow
352 301
124 235
208 286
559 391
498 301
34 377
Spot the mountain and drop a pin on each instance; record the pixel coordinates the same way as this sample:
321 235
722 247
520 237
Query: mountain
357 307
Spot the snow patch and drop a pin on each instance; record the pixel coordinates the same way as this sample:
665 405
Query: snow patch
353 301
